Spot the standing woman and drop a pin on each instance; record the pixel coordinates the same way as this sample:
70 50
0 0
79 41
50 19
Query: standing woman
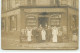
54 34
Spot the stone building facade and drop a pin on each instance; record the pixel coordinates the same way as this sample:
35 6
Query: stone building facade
19 14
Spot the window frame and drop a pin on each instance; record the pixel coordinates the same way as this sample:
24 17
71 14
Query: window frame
56 19
12 23
31 2
54 2
28 22
3 20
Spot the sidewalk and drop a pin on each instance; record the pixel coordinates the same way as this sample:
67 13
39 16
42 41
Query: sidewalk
15 44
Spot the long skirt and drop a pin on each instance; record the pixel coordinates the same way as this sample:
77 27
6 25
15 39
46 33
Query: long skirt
54 39
29 38
43 37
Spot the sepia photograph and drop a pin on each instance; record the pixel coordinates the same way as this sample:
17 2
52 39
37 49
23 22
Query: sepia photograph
39 24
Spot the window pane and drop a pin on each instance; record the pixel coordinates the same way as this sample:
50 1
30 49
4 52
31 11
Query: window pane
55 20
3 24
31 2
13 22
31 21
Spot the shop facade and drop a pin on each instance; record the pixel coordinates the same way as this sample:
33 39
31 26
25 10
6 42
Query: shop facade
22 17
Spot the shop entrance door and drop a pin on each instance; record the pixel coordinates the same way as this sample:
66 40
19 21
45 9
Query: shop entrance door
43 21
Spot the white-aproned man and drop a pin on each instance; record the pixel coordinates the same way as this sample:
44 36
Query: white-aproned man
54 34
29 35
43 34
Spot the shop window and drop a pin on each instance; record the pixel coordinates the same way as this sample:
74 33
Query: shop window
31 21
55 20
3 24
13 23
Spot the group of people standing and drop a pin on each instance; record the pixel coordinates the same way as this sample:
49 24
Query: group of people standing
48 34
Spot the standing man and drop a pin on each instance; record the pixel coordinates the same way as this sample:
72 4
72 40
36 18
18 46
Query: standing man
26 32
60 35
43 35
39 33
29 35
54 34
74 38
22 35
48 34
34 33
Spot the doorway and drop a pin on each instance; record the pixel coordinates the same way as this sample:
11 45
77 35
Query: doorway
43 21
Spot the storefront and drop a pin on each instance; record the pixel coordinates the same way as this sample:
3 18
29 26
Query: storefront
51 17
45 17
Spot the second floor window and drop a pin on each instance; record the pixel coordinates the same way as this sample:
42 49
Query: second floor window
17 1
31 2
54 2
9 4
74 3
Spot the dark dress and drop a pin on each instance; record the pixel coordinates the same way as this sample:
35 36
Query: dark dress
48 35
34 35
37 35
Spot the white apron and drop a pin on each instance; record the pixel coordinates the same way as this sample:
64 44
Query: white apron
29 34
54 33
43 33
74 38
